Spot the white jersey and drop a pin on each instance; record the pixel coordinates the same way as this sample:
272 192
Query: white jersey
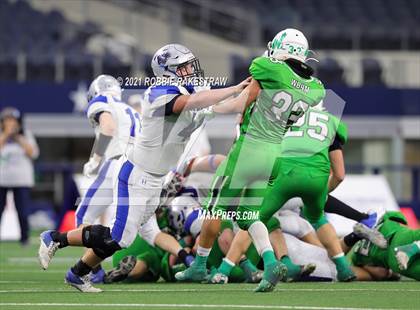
293 204
127 122
303 253
164 135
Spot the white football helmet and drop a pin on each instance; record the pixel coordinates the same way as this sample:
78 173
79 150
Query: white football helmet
173 60
178 211
104 85
289 43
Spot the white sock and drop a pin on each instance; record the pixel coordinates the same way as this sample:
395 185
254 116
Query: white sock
338 255
227 260
203 251
259 235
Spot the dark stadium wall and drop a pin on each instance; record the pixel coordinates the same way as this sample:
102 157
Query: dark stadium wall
46 97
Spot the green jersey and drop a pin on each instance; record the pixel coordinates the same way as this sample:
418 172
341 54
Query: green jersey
366 253
285 96
308 140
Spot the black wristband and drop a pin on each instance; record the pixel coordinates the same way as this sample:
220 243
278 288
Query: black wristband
182 255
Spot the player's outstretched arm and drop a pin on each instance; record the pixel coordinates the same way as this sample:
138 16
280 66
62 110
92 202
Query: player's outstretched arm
207 163
207 98
241 102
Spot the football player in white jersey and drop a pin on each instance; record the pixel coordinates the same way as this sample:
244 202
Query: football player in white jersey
170 113
115 123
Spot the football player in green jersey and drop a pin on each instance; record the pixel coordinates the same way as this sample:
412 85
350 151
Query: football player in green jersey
142 259
282 89
403 252
304 171
139 262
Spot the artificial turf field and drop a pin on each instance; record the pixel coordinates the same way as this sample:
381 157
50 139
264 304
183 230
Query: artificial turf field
23 285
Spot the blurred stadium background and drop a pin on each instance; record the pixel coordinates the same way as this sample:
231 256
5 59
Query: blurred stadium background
368 51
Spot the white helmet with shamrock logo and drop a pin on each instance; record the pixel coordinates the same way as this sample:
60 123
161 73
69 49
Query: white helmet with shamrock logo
289 43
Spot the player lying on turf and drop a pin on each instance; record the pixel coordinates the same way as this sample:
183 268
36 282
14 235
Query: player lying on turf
304 245
372 260
170 114
402 255
285 89
292 223
138 261
295 226
141 262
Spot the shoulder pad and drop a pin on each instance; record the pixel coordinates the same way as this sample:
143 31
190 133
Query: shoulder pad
155 92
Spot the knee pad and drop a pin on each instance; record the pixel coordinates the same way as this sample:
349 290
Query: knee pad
110 247
98 238
319 223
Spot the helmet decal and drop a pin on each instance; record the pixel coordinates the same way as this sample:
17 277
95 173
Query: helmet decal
162 58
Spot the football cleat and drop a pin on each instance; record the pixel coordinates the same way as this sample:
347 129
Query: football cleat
304 271
217 278
83 284
402 259
295 272
404 253
346 275
192 274
97 277
274 273
47 249
120 273
254 277
370 234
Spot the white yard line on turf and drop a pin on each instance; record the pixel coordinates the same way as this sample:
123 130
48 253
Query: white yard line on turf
65 289
3 282
188 306
32 260
33 271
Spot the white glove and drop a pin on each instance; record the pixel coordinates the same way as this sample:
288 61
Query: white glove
91 167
